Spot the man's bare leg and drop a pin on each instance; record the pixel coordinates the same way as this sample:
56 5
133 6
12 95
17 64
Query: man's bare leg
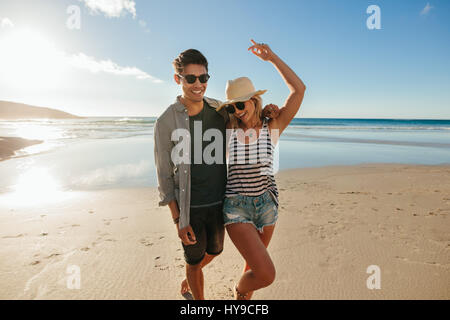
184 284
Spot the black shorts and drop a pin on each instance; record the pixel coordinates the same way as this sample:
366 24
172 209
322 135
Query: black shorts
207 224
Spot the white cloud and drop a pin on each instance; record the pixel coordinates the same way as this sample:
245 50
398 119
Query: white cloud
29 58
85 62
427 9
111 8
6 23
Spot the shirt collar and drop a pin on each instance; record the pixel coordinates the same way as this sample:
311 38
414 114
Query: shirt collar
178 105
181 108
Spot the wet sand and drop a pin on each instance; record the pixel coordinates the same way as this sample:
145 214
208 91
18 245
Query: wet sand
9 146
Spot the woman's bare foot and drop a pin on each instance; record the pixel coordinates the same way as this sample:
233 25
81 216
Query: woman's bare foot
184 287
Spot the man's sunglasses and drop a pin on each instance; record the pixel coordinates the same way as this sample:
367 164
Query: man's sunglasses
231 108
190 78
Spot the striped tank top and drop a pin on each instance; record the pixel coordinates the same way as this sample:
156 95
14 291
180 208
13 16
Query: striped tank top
250 166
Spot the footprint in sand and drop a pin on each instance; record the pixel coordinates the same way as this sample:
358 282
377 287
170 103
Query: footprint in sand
146 242
100 239
71 226
353 192
161 267
85 249
102 234
432 263
53 255
16 236
35 262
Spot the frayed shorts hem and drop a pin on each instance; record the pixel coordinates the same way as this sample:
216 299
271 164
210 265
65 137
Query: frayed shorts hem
259 229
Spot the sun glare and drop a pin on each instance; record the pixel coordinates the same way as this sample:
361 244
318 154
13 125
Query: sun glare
29 60
34 187
37 131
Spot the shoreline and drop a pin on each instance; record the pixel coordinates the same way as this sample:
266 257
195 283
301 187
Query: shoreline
334 222
9 146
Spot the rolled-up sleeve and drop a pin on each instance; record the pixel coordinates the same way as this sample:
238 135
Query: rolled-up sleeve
164 164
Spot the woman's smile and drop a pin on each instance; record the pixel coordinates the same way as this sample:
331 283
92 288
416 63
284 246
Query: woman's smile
242 115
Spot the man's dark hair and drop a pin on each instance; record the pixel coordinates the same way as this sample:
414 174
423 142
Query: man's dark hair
190 56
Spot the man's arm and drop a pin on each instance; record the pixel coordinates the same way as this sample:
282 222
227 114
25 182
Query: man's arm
166 184
186 234
164 164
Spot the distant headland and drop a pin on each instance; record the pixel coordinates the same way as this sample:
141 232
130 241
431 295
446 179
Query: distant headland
14 111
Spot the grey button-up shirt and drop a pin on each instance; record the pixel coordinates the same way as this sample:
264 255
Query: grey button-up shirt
174 180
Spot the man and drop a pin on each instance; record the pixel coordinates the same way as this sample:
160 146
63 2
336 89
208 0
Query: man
193 189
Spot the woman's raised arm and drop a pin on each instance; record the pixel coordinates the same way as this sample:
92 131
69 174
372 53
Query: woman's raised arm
295 84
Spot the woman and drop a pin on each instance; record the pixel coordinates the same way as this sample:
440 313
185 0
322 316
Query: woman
251 203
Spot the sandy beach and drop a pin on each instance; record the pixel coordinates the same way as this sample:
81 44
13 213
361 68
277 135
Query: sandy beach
334 222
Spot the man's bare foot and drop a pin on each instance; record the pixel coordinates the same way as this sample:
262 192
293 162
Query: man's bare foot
185 287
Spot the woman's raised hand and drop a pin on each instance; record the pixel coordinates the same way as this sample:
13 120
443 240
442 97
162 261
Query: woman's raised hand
262 51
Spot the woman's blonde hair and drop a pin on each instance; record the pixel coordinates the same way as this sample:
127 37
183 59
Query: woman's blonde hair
257 100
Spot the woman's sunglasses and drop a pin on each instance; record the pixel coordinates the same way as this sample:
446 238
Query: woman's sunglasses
231 108
190 78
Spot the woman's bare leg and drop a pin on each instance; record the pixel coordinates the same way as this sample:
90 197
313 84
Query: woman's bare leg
248 242
265 237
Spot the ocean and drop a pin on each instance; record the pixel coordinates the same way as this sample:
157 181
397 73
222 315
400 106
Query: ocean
117 152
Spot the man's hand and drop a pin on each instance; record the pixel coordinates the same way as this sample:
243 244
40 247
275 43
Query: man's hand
271 111
187 235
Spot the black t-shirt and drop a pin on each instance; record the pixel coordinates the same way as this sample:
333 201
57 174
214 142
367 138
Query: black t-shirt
208 164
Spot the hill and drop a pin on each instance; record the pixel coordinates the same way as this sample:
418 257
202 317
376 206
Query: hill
13 110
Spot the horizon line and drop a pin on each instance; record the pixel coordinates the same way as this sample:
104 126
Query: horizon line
135 116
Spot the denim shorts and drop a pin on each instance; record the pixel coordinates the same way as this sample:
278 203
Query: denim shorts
260 211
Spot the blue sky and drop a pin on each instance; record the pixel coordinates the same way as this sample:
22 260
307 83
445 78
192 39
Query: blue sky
119 62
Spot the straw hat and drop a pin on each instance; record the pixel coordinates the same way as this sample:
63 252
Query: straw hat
240 90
